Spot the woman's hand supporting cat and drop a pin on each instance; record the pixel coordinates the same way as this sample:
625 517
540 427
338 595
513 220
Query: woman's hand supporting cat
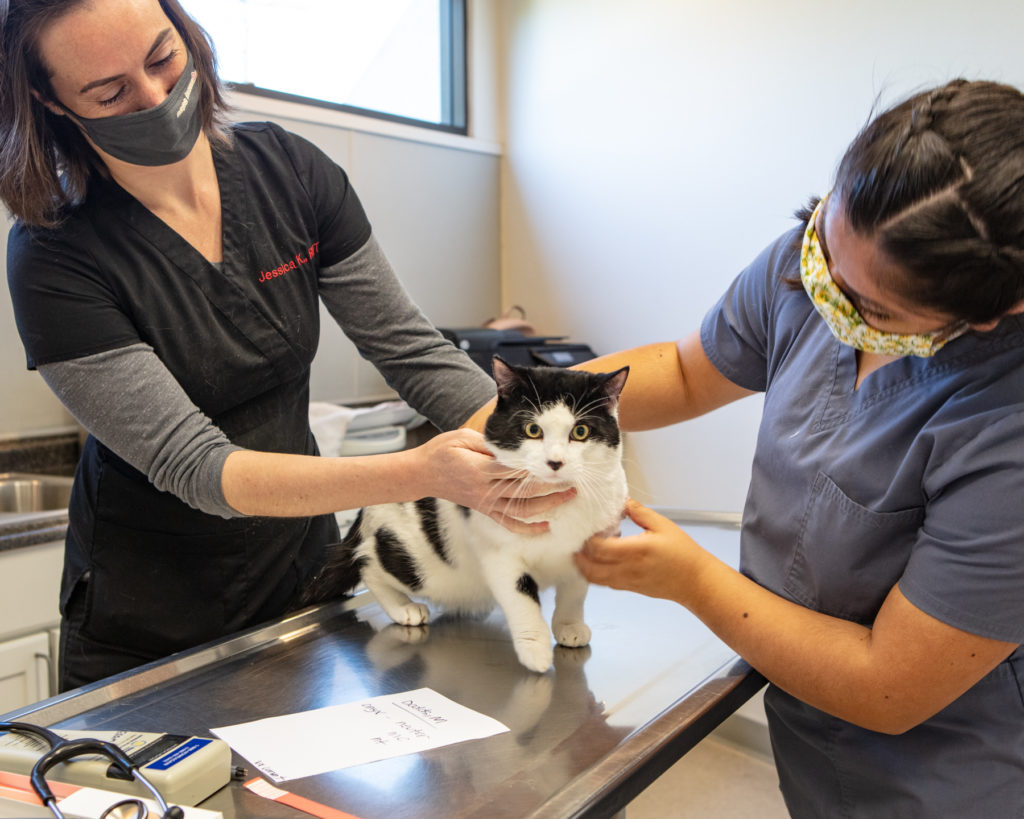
887 677
462 469
658 562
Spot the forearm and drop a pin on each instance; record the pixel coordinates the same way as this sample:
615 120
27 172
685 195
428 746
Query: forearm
902 670
889 678
456 466
159 431
655 393
280 485
822 660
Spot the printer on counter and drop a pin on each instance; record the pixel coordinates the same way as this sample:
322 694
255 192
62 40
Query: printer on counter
482 343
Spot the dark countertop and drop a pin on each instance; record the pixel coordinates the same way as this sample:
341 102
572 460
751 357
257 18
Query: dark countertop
20 530
55 454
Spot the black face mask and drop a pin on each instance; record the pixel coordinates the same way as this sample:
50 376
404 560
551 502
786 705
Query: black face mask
160 135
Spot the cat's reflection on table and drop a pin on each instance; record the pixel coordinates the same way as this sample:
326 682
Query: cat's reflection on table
556 726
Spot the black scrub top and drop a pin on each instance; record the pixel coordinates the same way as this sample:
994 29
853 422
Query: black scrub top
162 576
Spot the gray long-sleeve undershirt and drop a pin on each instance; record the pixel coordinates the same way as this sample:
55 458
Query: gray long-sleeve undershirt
131 403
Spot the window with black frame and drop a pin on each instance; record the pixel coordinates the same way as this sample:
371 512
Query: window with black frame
400 60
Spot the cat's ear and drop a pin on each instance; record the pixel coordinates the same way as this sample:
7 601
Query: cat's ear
506 378
612 387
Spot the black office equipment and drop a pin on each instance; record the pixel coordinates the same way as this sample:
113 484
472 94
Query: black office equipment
482 343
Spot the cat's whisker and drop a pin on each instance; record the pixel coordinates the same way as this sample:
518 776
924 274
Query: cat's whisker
644 496
525 413
494 494
536 407
587 483
520 480
588 408
629 461
536 392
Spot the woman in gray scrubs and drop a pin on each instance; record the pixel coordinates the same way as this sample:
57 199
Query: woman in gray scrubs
166 271
881 588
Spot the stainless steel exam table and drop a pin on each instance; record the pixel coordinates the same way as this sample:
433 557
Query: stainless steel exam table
585 738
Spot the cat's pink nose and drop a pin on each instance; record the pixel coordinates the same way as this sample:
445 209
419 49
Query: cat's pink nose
556 465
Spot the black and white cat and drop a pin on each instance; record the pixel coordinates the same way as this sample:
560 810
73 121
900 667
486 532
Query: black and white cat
551 424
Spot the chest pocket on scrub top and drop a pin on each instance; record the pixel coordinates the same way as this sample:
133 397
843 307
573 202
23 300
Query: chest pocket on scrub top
847 556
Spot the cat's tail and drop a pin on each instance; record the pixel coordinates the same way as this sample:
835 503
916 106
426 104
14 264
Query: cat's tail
340 572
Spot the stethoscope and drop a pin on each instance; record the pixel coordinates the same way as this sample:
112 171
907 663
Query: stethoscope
63 749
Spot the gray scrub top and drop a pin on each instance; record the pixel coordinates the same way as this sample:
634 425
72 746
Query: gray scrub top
915 478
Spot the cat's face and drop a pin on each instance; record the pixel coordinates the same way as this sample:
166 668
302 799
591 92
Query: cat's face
558 425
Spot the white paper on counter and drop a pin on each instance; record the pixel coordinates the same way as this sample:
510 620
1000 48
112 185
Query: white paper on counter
340 736
92 802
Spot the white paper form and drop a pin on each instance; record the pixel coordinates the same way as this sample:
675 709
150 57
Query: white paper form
93 803
339 736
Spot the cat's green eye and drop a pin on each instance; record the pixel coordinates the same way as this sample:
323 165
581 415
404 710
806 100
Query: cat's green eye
580 432
533 430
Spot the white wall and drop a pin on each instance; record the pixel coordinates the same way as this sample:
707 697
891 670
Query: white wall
654 147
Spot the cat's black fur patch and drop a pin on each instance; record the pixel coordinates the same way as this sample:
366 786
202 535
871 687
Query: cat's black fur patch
427 508
396 560
528 586
341 572
529 390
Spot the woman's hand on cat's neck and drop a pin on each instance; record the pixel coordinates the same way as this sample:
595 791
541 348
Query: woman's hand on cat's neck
459 467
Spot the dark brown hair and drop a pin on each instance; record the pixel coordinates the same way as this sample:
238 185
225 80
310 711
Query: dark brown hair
938 182
45 162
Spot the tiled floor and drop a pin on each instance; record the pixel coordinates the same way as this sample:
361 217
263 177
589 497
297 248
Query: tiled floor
716 780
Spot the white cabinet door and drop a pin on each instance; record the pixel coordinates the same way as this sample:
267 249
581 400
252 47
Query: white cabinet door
31 588
24 671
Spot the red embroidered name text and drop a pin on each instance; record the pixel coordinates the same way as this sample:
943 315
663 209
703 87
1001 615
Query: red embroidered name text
292 264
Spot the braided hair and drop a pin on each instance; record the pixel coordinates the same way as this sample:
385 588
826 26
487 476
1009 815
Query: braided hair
938 182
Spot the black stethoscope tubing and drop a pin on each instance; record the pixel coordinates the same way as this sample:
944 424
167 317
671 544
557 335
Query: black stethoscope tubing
63 749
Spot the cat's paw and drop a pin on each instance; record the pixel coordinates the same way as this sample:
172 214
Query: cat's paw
411 614
411 635
572 635
528 700
567 659
537 655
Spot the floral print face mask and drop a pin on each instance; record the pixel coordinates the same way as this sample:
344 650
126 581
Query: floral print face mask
842 317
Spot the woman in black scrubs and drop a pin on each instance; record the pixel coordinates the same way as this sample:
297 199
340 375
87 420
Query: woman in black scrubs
166 271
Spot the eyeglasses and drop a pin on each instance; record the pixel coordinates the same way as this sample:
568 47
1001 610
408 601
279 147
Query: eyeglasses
64 749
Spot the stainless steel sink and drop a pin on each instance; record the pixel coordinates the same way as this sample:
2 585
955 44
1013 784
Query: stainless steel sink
25 492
